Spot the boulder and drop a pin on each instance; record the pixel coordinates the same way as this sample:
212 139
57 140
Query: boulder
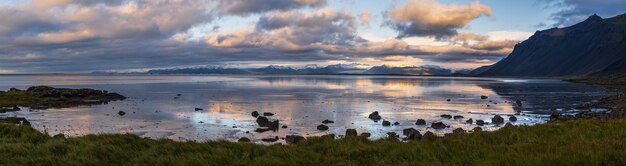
244 139
477 129
458 131
480 122
255 114
411 134
447 116
386 123
365 135
292 139
199 109
497 120
375 116
508 125
456 117
328 121
470 121
351 133
438 125
420 122
121 113
270 139
322 127
484 97
268 114
429 135
265 122
512 118
393 135
396 123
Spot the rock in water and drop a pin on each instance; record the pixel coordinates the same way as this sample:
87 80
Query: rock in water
268 114
365 135
199 109
484 97
351 133
322 127
292 139
375 116
497 120
445 116
328 121
121 113
480 122
255 114
470 121
412 134
396 123
458 131
386 123
271 139
512 118
456 117
438 125
420 122
477 129
244 139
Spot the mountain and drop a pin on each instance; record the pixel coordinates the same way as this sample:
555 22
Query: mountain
421 70
594 47
212 70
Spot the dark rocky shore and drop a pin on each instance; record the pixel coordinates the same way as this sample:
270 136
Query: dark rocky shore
44 97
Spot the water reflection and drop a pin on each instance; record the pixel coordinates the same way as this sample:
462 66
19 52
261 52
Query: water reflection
301 102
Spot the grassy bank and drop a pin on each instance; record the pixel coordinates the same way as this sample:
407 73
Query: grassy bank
582 142
619 79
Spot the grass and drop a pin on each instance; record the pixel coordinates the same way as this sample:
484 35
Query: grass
580 142
619 79
17 98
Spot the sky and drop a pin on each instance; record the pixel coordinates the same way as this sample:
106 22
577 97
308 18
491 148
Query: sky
79 36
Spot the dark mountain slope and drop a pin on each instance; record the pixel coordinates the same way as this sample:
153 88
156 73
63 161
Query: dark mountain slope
595 46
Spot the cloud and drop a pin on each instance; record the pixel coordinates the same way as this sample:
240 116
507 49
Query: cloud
569 12
430 18
248 7
365 18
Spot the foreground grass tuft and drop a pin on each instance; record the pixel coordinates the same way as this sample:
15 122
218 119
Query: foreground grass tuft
584 142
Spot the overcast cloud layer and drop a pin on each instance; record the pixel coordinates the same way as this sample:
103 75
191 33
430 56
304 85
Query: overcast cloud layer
101 35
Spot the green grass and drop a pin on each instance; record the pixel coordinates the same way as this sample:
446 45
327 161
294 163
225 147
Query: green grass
580 142
18 98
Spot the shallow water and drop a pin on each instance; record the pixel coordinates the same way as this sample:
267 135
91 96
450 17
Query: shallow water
300 102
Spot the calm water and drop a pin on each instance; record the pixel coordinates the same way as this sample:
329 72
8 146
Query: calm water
300 102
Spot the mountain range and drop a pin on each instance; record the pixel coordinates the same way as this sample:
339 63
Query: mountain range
594 47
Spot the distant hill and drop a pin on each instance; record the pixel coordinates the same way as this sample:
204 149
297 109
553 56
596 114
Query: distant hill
594 47
309 69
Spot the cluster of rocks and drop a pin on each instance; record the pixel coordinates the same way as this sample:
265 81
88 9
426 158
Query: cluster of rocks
50 97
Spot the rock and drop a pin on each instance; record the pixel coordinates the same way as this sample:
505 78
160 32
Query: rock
284 126
271 139
386 123
519 103
420 122
512 118
178 95
470 121
477 129
448 100
244 139
438 125
375 116
480 122
458 117
329 136
268 114
411 134
255 114
393 135
484 97
322 127
328 121
59 136
429 135
554 115
264 122
292 139
458 131
199 109
262 130
497 120
396 123
121 113
351 133
446 116
365 135
508 125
